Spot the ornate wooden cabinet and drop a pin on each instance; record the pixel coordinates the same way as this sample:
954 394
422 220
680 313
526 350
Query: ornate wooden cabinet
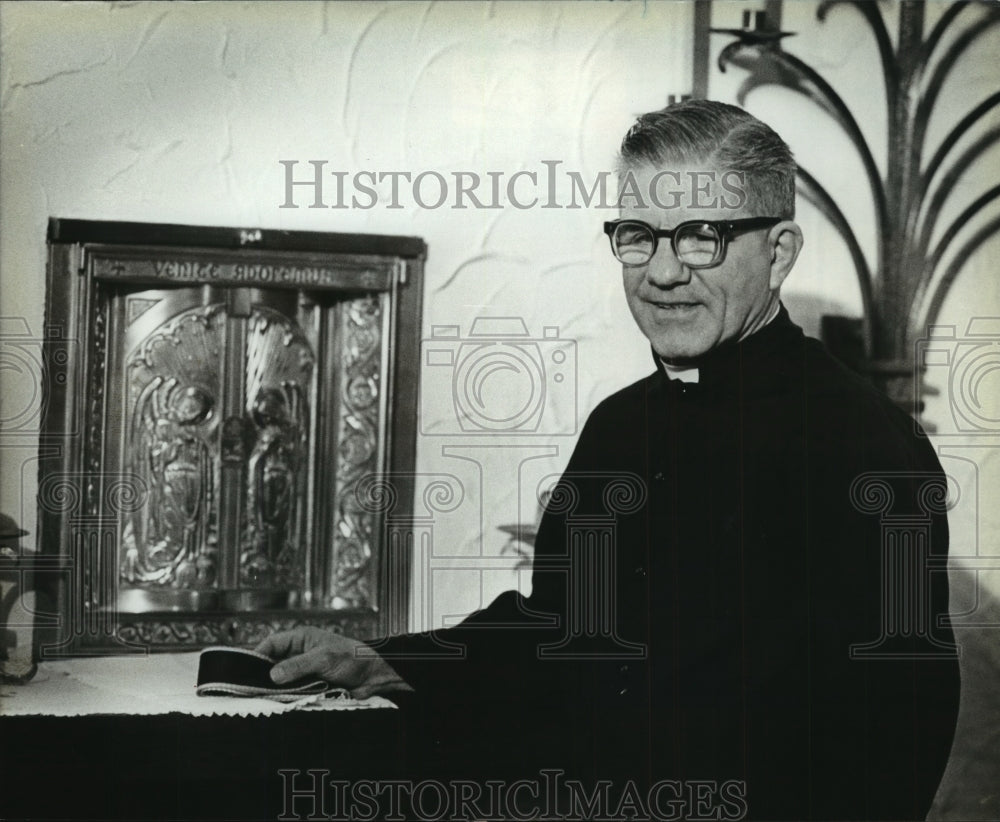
229 423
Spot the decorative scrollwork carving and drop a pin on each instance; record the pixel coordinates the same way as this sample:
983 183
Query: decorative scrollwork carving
357 438
95 428
240 631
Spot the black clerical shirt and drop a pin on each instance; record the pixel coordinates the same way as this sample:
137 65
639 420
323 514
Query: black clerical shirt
730 586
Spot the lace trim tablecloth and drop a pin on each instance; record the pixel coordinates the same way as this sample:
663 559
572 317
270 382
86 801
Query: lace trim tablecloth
144 686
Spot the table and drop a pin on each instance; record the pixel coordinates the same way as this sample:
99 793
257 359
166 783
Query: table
123 739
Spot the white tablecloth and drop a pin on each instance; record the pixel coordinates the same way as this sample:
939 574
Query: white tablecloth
144 685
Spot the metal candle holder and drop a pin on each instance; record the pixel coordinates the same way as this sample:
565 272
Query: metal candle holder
903 294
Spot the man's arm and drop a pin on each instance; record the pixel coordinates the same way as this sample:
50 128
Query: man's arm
491 650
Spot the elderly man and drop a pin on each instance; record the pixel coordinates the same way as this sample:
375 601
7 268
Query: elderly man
716 628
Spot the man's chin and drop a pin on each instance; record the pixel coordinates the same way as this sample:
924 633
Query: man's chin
680 354
680 345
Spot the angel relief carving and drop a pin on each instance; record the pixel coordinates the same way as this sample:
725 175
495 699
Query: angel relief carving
186 453
171 435
169 452
275 470
279 370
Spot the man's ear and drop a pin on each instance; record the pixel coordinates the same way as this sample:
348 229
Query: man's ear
785 241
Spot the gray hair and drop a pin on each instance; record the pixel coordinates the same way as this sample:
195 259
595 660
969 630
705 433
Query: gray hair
723 136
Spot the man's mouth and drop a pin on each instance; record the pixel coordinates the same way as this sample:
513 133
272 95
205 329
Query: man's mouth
674 305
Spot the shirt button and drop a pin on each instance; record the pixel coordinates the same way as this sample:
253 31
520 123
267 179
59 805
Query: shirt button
623 669
623 692
640 571
658 476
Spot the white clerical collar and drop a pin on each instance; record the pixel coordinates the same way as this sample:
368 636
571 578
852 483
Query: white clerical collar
683 373
687 373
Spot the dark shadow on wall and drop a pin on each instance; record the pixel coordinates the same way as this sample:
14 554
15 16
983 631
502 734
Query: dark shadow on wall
970 788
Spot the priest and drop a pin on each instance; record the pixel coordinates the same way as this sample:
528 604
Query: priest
734 610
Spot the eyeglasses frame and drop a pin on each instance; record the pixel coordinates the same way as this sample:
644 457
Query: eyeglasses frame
724 228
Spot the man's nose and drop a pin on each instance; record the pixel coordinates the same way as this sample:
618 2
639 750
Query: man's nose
665 270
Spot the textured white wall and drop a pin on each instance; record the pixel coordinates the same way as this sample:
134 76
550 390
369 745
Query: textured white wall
181 112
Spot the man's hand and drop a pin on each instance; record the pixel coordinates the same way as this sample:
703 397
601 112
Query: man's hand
332 657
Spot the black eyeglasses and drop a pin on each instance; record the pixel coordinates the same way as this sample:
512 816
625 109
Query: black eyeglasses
696 243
